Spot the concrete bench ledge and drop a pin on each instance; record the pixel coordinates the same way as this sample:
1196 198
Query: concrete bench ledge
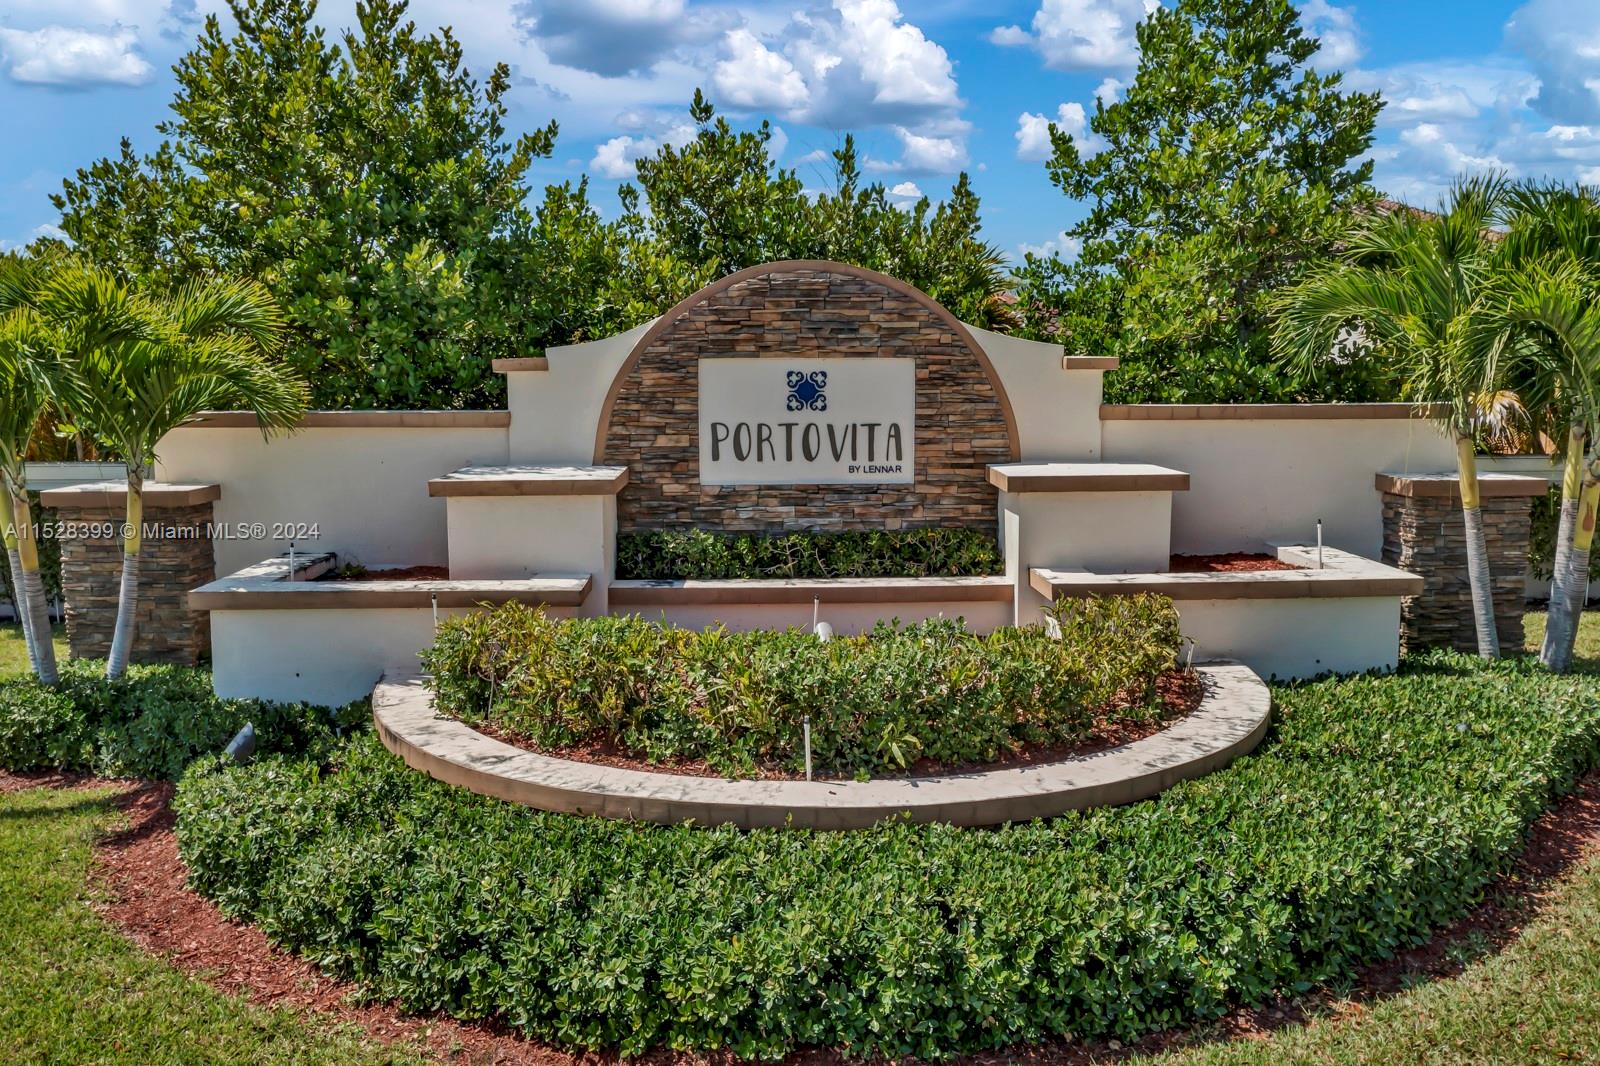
267 586
531 481
1087 477
1343 575
995 589
1231 721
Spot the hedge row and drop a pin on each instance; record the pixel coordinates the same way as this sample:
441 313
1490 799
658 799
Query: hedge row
877 702
1375 811
702 556
150 724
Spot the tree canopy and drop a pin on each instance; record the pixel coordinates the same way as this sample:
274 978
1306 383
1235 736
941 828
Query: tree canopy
369 184
1227 169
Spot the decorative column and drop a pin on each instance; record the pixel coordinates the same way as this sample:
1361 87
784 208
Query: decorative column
1423 532
177 557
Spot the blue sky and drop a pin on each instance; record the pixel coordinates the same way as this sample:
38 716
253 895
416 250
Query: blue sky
930 88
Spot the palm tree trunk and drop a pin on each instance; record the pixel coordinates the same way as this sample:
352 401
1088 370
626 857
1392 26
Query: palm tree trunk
1576 581
33 592
1560 618
8 513
1477 551
128 596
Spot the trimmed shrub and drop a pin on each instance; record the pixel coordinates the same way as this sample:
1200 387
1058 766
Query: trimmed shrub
684 555
1376 810
877 702
151 723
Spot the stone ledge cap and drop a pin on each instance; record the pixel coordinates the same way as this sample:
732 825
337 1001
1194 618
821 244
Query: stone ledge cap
1447 484
531 481
113 495
1087 477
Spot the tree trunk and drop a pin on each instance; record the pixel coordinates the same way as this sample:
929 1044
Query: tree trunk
128 596
1560 619
33 592
19 586
1477 551
1576 582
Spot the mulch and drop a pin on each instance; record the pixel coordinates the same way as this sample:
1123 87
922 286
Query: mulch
144 877
1178 693
399 573
1227 563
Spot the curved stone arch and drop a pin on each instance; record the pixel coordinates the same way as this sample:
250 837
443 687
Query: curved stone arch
956 352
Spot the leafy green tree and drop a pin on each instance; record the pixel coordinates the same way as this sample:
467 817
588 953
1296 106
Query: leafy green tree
141 365
31 381
368 184
1454 310
720 203
1227 170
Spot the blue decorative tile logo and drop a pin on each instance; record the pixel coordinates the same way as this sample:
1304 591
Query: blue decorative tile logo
806 390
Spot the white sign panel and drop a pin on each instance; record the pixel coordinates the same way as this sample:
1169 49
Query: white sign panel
780 421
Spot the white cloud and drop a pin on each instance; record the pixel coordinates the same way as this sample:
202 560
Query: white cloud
62 56
1033 132
1561 39
1336 27
906 190
1109 91
1589 175
1062 246
856 65
924 154
754 76
614 38
1081 34
615 158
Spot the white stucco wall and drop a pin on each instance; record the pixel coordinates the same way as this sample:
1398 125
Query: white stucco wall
522 536
1107 532
365 488
1057 411
1290 639
327 656
1257 481
555 413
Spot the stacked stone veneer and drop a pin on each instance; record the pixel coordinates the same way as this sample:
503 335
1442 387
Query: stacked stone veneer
176 557
653 422
1425 534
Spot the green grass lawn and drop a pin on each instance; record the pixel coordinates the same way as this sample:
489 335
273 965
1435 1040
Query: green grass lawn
14 650
75 991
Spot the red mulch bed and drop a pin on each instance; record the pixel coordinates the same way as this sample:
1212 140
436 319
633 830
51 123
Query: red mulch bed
1179 693
1227 563
140 866
399 573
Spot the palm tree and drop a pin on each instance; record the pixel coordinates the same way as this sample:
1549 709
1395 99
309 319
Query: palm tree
1432 295
1561 225
147 364
31 379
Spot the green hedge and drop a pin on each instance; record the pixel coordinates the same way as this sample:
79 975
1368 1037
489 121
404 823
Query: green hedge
1375 811
150 724
701 556
877 702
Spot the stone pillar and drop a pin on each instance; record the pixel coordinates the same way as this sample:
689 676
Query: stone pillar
176 557
1423 532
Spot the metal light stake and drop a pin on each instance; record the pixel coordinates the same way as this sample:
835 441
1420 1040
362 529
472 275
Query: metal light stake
805 732
1319 544
434 596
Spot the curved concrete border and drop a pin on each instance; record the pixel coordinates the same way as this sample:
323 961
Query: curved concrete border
1229 722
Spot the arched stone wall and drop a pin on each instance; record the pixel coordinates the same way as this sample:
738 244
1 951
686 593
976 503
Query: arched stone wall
806 310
